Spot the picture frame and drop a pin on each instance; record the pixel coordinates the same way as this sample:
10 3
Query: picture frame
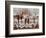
14 8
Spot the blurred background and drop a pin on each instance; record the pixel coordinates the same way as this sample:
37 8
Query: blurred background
2 18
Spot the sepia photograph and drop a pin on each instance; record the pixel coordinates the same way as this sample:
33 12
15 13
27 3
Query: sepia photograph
25 18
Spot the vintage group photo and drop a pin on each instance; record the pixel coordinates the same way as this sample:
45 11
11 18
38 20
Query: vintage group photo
25 18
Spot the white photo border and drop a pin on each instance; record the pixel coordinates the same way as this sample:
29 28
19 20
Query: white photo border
25 31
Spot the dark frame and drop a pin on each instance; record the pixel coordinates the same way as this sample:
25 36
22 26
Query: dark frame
7 3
